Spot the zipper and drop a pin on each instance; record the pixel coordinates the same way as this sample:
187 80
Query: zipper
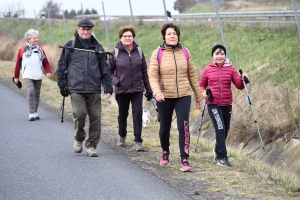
176 73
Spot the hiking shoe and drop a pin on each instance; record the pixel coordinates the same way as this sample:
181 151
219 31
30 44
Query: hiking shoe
31 117
184 166
77 147
224 162
91 152
121 142
138 146
37 117
216 156
165 158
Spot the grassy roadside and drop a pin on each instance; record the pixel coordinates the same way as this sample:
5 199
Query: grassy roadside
247 179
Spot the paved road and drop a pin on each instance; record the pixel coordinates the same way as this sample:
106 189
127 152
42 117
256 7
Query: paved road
37 162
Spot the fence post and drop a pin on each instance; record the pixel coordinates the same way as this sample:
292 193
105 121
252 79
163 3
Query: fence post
50 27
296 16
106 30
132 20
166 15
19 27
66 31
220 27
35 19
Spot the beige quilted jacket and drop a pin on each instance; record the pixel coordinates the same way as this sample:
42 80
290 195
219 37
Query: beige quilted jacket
173 78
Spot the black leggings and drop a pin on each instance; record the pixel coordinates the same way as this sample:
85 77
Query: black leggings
182 108
220 116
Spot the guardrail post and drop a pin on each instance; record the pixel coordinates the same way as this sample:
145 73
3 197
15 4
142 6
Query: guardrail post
296 16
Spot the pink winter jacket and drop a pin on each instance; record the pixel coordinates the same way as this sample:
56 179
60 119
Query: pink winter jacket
219 79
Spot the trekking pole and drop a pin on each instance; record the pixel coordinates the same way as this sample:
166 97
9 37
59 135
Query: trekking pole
209 93
152 101
78 49
62 110
62 107
245 80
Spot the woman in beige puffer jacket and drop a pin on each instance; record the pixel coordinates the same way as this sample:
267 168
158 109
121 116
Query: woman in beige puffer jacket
171 76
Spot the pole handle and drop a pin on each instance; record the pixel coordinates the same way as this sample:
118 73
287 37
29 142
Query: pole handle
245 77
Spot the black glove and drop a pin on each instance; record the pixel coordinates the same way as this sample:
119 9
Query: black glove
64 91
149 96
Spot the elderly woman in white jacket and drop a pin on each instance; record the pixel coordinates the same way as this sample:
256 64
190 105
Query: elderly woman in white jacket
32 60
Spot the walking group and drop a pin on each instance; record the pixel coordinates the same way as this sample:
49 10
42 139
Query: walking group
171 79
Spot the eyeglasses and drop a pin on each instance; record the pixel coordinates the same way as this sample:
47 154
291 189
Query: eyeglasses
127 36
85 29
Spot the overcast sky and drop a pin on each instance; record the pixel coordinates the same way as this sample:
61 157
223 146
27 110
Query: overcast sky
112 7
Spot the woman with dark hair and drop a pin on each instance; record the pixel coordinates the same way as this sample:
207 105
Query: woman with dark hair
172 75
32 60
218 76
129 75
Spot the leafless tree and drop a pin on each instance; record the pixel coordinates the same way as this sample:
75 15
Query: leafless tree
12 10
53 8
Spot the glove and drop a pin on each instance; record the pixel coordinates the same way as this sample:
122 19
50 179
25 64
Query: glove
149 96
64 91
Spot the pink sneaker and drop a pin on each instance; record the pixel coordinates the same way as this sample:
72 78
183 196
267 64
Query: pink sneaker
164 159
184 166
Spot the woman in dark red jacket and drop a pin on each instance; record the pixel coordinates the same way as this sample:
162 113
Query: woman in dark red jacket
32 60
218 76
128 69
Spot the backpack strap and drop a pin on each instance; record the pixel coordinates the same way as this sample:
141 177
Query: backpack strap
140 52
184 51
71 50
160 53
117 53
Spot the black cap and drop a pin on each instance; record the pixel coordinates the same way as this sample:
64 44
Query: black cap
218 46
85 22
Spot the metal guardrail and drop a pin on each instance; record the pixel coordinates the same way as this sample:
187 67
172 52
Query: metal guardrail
265 14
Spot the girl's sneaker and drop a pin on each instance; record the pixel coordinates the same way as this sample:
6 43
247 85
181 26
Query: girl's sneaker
165 158
184 166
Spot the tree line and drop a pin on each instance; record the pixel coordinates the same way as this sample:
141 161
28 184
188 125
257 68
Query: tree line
50 9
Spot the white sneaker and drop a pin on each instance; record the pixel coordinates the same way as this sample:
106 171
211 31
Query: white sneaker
31 116
77 147
91 152
37 116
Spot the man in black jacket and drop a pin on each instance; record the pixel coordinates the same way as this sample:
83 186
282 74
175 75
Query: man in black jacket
84 72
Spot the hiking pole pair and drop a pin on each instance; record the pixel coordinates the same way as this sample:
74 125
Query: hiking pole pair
245 80
211 99
62 107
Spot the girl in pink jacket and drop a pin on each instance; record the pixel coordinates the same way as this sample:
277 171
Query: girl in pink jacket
218 76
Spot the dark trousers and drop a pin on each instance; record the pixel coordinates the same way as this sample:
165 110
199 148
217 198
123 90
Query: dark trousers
136 100
182 108
220 116
82 105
